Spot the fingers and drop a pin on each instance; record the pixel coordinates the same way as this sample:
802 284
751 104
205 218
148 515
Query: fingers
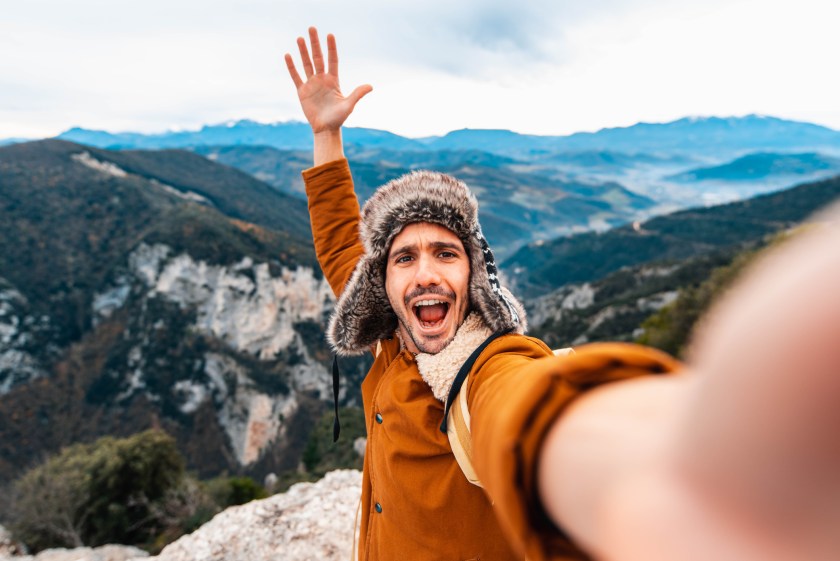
332 55
304 55
290 64
359 93
317 55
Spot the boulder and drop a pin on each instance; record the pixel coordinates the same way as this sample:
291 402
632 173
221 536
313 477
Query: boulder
103 553
8 546
309 521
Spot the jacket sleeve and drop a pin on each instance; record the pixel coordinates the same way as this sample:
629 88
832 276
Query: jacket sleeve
334 214
517 390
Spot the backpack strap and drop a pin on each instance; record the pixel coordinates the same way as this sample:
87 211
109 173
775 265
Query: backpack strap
456 416
456 413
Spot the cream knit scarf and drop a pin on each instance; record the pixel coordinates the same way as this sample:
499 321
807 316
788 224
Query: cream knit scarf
439 370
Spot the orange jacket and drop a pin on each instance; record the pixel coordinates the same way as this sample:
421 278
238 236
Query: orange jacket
416 502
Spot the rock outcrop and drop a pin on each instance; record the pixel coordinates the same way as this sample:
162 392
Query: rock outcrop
8 546
309 521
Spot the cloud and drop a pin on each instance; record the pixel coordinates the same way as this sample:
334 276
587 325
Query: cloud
546 66
468 38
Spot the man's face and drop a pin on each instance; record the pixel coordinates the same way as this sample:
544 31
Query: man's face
427 280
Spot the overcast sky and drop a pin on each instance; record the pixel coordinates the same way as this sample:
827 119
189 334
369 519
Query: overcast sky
541 67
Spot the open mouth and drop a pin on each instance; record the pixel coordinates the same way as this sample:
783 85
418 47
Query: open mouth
431 313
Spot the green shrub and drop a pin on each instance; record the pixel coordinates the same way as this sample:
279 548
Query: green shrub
321 454
112 491
230 491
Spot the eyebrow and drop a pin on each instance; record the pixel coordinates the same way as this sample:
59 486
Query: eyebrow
435 245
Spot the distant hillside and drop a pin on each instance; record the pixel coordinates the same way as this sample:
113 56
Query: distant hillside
429 159
279 168
287 136
537 269
644 158
518 204
755 167
610 161
74 211
710 136
690 136
157 289
613 308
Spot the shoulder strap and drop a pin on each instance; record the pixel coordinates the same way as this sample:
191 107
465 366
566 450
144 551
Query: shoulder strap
456 414
463 373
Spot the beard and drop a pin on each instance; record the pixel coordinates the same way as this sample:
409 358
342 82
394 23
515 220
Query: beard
432 344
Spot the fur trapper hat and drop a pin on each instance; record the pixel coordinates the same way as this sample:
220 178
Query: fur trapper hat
363 314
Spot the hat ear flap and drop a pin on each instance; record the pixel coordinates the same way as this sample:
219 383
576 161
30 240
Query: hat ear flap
500 311
363 314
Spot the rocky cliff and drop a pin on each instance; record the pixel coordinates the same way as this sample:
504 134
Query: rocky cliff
159 289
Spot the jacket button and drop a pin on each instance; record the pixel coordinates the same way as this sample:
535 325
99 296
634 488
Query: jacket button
378 507
379 418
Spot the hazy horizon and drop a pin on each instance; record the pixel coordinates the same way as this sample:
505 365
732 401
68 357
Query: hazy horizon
232 122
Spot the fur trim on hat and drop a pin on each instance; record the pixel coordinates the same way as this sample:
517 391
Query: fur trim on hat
363 314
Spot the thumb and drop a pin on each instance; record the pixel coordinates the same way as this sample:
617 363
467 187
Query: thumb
359 93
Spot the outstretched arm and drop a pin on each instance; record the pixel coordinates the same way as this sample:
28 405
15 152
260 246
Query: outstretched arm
739 459
324 106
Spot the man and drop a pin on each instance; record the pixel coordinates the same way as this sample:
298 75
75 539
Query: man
570 467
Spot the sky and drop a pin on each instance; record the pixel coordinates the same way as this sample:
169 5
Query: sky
539 67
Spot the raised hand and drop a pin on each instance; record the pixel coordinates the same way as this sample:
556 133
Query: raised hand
324 106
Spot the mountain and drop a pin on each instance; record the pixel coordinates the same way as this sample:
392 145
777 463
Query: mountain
429 159
711 135
692 136
611 161
279 168
539 268
157 289
688 136
492 140
288 136
518 204
614 308
646 158
5 141
759 166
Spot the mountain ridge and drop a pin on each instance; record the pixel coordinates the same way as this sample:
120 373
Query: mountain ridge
155 290
694 231
713 134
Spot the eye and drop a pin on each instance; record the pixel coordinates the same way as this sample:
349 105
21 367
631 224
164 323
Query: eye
447 254
403 259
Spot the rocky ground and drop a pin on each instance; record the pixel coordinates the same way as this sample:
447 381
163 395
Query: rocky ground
309 521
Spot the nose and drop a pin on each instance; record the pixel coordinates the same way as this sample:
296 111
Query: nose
427 273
